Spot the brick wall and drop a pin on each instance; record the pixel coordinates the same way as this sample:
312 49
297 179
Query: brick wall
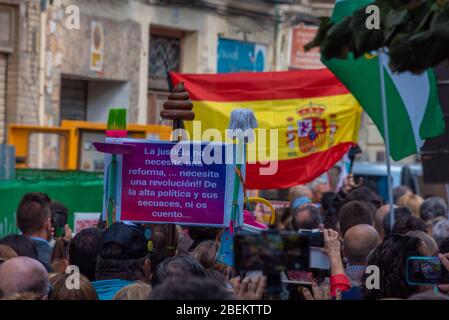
23 68
22 91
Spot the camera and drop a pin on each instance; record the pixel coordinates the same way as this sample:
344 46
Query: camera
426 271
276 251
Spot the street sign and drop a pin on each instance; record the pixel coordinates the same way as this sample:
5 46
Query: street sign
85 220
299 57
240 56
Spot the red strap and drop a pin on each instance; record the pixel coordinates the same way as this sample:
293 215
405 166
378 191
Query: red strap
341 282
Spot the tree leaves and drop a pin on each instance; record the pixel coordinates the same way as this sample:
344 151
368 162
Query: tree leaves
364 40
416 33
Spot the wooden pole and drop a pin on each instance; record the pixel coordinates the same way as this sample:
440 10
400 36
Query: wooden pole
178 107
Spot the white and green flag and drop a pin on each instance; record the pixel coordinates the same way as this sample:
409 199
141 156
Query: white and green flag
414 111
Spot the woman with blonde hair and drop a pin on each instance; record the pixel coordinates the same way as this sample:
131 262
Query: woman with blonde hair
60 290
6 253
206 253
138 290
411 201
23 296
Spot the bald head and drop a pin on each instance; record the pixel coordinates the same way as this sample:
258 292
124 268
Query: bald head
22 274
359 241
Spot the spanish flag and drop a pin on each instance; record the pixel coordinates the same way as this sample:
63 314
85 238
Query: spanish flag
316 118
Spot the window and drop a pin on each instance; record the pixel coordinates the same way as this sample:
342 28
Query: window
7 19
165 55
73 99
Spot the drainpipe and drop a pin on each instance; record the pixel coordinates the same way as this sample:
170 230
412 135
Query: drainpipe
42 51
277 22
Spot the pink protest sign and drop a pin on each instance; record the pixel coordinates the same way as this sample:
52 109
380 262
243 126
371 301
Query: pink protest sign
152 189
85 220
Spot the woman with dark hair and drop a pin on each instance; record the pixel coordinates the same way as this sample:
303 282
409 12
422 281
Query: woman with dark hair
22 245
330 210
179 266
62 235
83 250
365 194
391 259
60 255
200 234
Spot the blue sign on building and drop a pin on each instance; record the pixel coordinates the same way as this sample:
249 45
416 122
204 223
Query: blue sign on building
240 56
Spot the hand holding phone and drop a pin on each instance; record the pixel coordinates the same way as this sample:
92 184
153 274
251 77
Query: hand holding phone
59 222
444 258
321 292
271 251
427 271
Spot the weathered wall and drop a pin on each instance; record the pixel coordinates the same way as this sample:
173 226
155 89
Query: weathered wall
22 68
68 53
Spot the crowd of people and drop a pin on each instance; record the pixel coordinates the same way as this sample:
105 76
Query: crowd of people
126 261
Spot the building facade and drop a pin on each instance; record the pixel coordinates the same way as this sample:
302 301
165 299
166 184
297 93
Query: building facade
74 59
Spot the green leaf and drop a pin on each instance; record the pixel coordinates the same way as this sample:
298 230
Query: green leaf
416 33
338 41
364 39
396 18
441 16
401 58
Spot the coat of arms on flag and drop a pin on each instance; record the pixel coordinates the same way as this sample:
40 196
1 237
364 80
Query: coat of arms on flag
313 131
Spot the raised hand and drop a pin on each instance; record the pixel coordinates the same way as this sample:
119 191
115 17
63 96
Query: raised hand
249 288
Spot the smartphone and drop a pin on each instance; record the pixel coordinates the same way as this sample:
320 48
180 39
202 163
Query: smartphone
296 289
59 222
272 251
426 271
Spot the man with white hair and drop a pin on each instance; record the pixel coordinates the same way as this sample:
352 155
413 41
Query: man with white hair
432 208
440 231
302 192
24 274
318 187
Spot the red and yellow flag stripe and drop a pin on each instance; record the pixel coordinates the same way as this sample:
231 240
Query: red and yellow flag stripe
316 117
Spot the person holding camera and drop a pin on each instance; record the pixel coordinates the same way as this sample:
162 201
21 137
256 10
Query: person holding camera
339 282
